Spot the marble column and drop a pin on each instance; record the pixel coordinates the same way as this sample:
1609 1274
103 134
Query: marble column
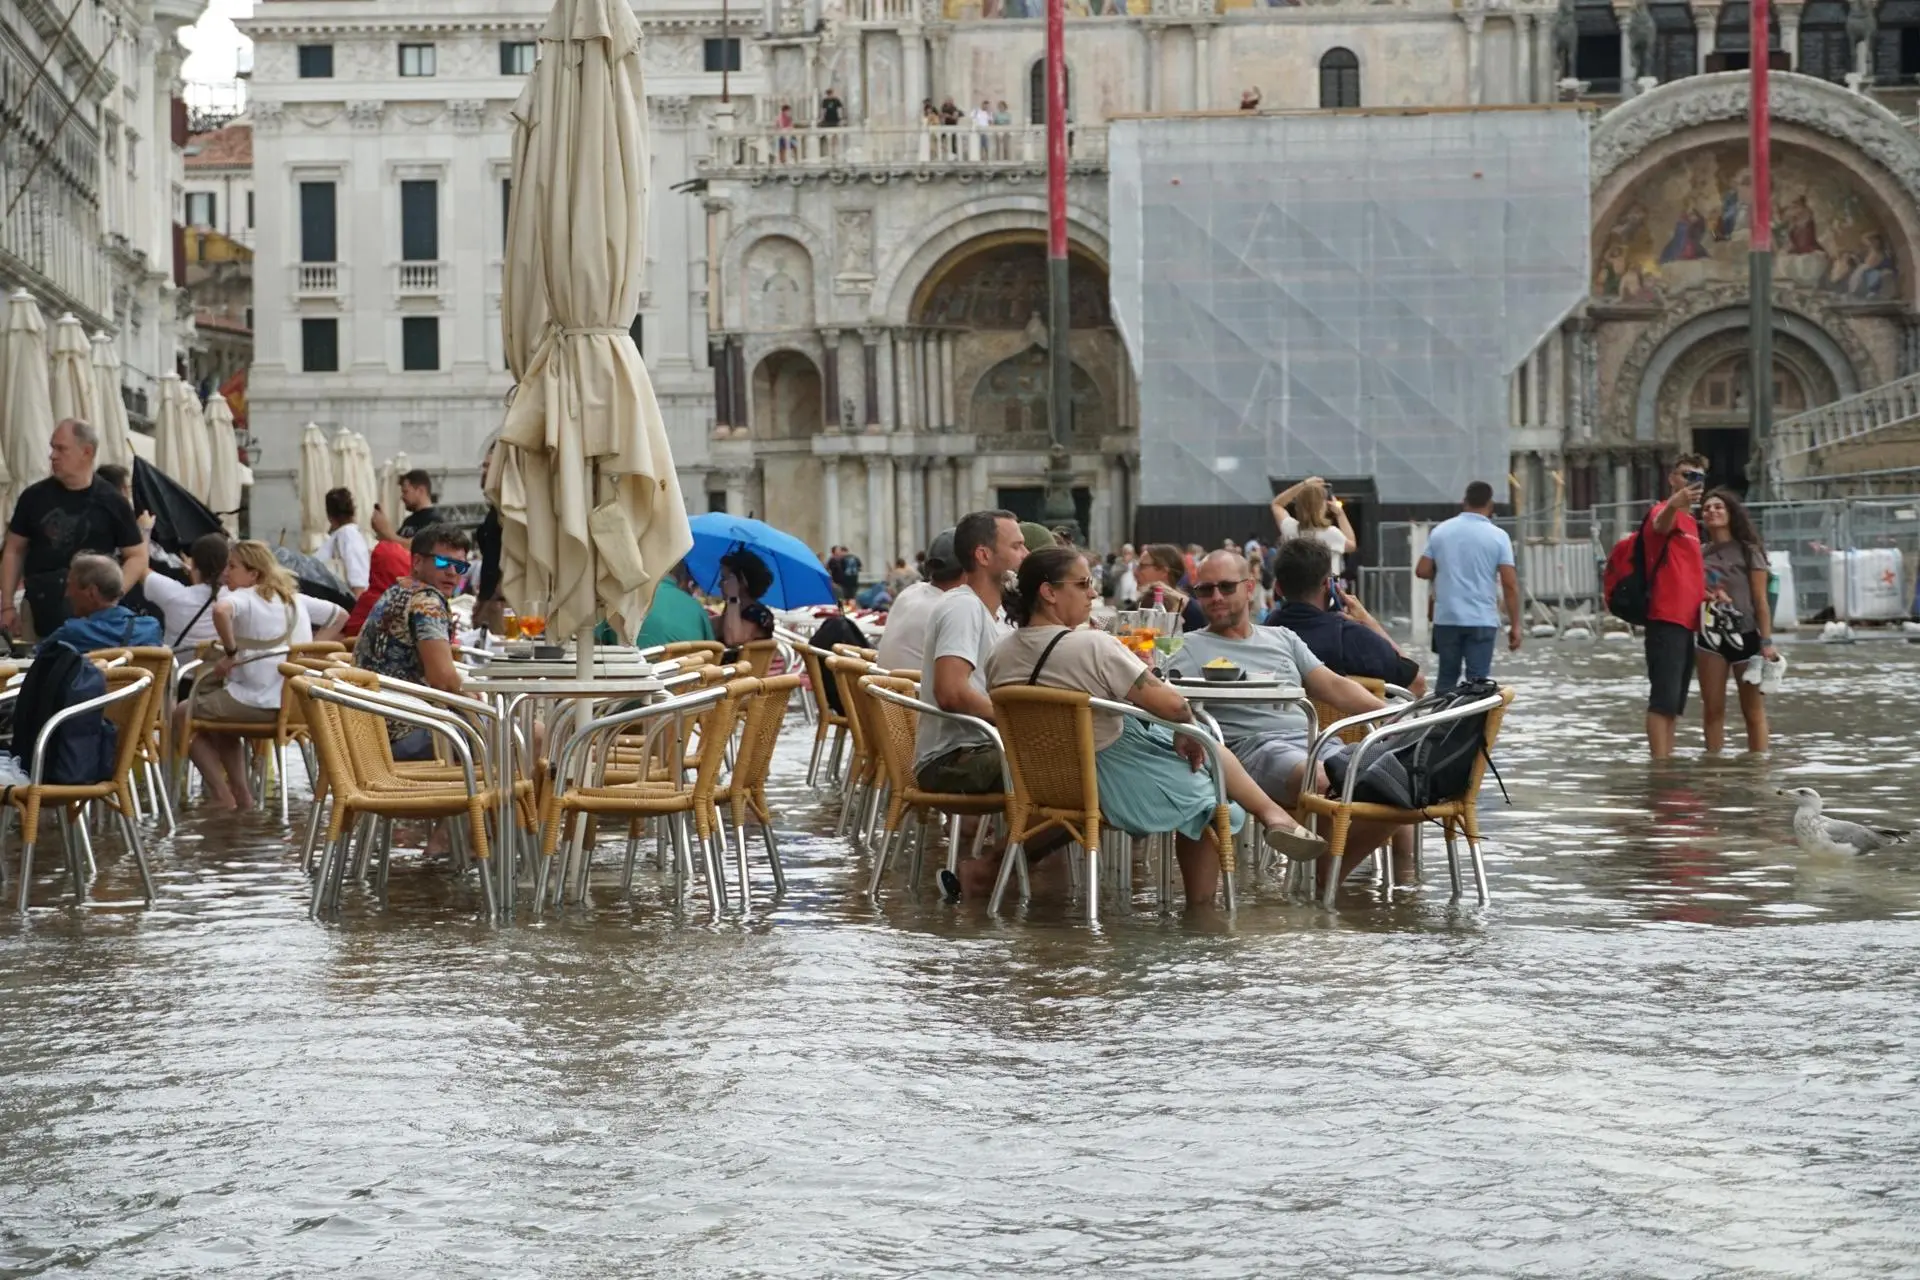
949 348
1156 61
1555 391
1789 15
1546 62
1523 58
907 507
887 416
1476 88
1706 21
901 348
936 496
957 502
741 409
830 379
937 75
876 549
722 386
830 497
923 372
870 378
982 496
1628 72
737 503
913 61
1202 67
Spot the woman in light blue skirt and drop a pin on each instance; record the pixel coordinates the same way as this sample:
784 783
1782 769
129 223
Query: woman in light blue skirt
1150 780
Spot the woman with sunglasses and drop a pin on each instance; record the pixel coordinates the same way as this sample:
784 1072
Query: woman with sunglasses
409 632
1736 624
1149 780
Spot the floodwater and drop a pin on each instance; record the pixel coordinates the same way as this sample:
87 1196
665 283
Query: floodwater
1673 1046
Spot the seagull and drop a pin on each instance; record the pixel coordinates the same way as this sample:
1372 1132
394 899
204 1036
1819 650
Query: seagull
1834 835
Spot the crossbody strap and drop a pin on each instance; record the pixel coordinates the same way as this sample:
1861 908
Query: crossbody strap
1045 654
206 605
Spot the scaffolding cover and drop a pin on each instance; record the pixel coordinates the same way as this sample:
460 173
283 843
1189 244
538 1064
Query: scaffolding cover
1340 295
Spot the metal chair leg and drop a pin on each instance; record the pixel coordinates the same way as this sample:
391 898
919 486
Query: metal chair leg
922 837
773 860
1093 878
280 767
1015 853
1453 860
26 874
1479 870
889 841
819 745
740 854
72 852
130 832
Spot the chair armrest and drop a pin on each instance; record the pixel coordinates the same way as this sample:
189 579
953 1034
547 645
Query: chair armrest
1340 726
1196 731
609 725
1379 734
65 714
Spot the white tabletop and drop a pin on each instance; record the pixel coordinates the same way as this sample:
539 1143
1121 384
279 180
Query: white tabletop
567 687
1239 691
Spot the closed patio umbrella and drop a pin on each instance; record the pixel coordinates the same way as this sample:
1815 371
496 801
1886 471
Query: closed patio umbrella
26 407
109 407
223 464
590 506
390 472
316 478
180 436
363 480
70 382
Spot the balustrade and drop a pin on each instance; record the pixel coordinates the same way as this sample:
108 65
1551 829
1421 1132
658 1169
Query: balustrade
803 147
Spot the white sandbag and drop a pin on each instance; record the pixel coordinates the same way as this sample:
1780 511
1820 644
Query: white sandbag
1866 584
1786 612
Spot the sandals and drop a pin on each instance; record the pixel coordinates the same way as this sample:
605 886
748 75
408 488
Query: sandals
1295 843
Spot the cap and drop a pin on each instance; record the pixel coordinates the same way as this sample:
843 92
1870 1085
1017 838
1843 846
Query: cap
1038 536
942 560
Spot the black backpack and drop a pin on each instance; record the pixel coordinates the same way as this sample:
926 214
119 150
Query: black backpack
81 750
1432 766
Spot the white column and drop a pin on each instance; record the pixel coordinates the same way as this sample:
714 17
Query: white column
936 491
924 382
737 493
982 496
1476 88
1202 68
957 504
906 505
887 413
1523 58
876 551
905 419
1546 63
1156 51
1628 72
1790 34
949 346
913 58
1706 22
830 497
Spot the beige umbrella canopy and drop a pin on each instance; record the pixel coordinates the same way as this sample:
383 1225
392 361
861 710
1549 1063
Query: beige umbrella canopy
390 472
109 409
70 356
26 407
223 464
180 437
316 477
590 507
353 471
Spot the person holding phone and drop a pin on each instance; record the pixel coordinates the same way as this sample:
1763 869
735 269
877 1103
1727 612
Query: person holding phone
1677 585
1315 513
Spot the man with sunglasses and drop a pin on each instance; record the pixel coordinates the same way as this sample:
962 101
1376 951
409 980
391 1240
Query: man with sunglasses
409 633
1270 739
1676 588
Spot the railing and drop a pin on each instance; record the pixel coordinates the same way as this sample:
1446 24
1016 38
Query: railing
316 279
417 278
1890 404
803 148
883 12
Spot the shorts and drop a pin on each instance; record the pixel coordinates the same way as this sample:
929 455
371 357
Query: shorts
1669 668
414 744
220 704
1272 762
964 771
1736 651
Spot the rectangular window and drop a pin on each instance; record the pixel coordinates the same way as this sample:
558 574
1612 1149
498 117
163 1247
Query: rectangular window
420 344
249 319
316 62
419 221
200 208
723 54
717 500
317 237
516 57
506 207
249 210
320 345
416 59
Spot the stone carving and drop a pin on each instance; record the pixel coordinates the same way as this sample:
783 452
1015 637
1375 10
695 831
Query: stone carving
1013 399
671 109
673 54
268 117
778 277
1640 38
466 59
316 115
366 113
1862 24
1566 35
854 234
419 115
272 61
1689 221
999 288
367 59
791 17
1632 127
468 115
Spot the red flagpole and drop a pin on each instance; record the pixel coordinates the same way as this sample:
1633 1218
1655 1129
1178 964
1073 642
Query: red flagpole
1059 508
1760 255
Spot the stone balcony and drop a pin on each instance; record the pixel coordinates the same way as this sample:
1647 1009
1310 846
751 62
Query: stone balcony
763 151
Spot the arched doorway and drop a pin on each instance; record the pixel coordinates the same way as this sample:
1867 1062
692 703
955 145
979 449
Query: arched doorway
1704 399
786 410
1037 91
786 398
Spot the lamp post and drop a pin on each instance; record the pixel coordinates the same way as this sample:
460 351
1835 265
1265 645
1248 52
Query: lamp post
1759 259
1059 500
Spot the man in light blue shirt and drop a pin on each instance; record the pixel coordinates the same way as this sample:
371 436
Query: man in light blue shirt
1465 557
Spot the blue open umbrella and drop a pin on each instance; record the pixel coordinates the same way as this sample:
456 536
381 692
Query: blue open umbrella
798 577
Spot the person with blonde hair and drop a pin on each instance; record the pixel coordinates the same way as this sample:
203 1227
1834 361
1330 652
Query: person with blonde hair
260 612
1315 513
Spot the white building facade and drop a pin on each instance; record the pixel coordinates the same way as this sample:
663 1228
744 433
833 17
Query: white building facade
382 151
91 173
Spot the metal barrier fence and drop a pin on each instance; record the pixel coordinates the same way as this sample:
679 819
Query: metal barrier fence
1855 559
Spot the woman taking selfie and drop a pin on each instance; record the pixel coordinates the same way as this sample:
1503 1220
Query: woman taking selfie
1316 514
1736 626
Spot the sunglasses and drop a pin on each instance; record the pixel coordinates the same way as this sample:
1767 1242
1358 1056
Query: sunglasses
448 562
1209 588
1085 584
1694 477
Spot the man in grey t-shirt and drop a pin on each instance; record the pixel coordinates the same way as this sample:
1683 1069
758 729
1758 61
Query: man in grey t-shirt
950 755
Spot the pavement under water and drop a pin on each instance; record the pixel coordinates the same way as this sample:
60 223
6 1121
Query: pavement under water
1674 1045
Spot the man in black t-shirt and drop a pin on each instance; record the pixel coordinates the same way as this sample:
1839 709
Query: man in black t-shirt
55 519
416 495
833 111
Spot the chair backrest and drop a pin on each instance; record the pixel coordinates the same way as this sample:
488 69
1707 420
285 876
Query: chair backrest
758 655
315 648
856 651
682 648
895 728
325 732
158 660
766 712
1329 713
846 673
130 717
1495 718
1049 740
716 730
817 678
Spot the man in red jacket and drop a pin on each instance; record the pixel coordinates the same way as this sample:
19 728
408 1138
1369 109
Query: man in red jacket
1678 583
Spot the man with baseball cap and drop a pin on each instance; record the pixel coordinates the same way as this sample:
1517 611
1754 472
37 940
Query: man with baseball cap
904 644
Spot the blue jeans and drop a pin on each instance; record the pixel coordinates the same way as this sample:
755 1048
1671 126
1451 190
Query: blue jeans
1455 645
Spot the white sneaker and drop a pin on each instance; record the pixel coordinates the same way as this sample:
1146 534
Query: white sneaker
1772 674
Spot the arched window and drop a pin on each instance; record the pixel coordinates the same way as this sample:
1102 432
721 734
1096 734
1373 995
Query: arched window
1339 79
1037 92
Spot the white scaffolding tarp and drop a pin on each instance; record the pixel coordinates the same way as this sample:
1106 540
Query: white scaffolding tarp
1340 294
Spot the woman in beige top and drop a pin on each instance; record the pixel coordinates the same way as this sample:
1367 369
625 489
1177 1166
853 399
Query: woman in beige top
1149 778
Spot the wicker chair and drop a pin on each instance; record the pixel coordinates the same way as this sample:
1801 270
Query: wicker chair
1460 814
861 781
342 718
130 689
896 711
826 721
746 786
158 661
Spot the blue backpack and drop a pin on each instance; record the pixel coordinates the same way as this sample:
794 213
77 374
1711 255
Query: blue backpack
81 750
